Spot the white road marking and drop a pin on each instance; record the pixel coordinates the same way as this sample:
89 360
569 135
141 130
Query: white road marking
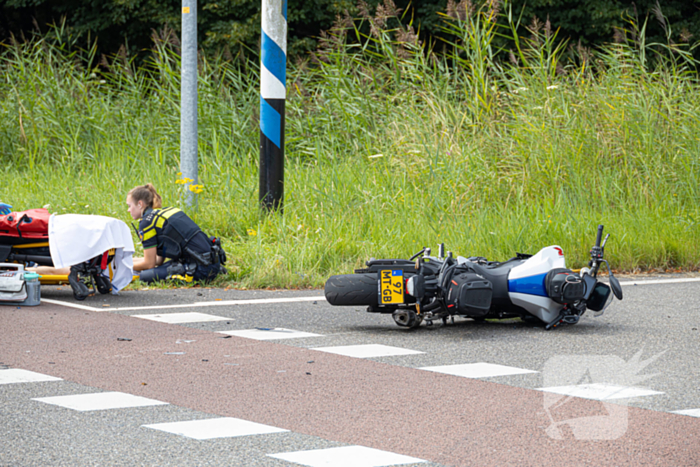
661 281
99 401
180 318
71 305
215 428
259 301
268 334
367 350
689 412
600 392
346 456
17 375
478 370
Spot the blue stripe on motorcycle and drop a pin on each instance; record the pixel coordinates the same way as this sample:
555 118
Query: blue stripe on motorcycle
531 285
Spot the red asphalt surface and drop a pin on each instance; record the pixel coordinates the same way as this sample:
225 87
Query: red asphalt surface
446 419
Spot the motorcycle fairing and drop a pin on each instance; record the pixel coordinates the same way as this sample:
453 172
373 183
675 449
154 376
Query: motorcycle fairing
531 285
544 308
544 261
528 277
526 287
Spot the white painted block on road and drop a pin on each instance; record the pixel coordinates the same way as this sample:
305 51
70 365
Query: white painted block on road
478 370
17 375
346 456
367 350
689 412
181 318
99 401
268 334
211 428
600 392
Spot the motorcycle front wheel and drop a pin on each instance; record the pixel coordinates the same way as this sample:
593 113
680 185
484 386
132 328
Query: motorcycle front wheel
352 289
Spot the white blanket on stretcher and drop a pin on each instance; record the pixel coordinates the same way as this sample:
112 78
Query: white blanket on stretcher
74 238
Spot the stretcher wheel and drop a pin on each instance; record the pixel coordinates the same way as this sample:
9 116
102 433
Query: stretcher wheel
104 286
80 290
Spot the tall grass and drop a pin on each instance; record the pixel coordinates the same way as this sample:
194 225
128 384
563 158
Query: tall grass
391 145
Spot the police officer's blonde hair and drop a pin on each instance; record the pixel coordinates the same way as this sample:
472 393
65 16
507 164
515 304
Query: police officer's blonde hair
148 194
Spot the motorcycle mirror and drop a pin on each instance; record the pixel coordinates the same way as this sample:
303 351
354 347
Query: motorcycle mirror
615 286
417 255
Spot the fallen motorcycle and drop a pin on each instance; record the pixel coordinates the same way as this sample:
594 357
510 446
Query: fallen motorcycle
536 288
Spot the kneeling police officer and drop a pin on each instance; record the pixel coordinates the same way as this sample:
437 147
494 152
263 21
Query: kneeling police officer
173 244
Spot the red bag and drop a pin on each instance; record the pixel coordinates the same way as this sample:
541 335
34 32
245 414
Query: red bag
31 224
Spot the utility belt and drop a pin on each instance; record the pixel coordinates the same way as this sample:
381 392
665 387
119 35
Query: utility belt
184 268
200 259
216 255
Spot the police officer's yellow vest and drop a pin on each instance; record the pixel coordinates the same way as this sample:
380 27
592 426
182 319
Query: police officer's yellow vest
174 234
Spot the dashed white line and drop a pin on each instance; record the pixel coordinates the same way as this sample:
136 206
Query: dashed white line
18 375
601 392
269 333
478 370
99 401
181 318
211 428
367 350
346 456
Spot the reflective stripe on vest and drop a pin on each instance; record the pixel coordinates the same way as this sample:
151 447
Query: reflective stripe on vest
176 233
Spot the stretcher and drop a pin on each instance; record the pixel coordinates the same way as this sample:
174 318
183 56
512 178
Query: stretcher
24 239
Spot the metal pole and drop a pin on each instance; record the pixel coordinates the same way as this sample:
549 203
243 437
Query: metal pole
273 72
188 99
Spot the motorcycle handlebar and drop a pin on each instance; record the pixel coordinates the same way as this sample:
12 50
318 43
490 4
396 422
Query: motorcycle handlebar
599 237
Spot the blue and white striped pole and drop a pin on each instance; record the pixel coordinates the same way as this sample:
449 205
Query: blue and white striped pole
273 73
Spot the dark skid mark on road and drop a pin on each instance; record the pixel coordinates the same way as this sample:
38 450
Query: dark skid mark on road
441 418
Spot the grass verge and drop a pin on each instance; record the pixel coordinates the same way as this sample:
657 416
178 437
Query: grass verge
391 145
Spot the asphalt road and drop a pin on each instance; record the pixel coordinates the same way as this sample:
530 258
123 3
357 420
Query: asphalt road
647 343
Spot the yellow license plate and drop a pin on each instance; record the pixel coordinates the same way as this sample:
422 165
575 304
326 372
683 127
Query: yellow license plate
390 286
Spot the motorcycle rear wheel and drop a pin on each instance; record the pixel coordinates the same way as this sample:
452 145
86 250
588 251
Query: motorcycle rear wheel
352 289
